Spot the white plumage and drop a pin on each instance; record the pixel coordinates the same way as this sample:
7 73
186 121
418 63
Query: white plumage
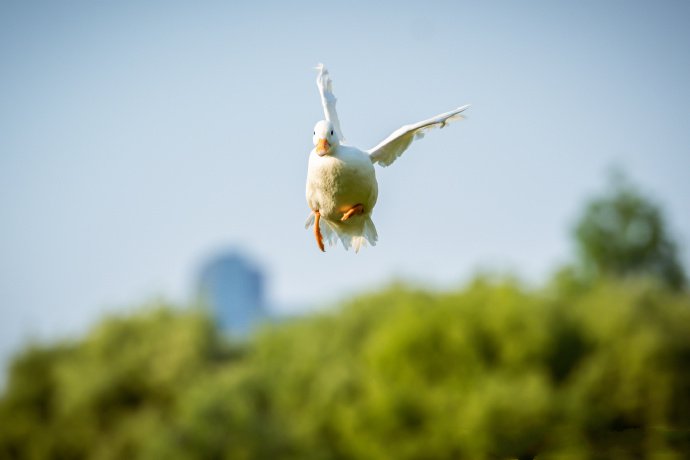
341 181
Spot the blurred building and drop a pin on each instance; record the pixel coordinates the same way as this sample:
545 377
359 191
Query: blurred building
233 288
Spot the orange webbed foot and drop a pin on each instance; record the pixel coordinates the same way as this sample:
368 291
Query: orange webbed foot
317 231
356 209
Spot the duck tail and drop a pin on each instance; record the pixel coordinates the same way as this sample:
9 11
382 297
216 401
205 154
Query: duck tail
369 235
357 232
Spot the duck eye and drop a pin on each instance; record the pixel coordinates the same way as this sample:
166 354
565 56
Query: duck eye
314 133
331 132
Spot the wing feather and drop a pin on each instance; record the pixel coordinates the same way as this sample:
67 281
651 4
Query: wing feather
388 150
328 99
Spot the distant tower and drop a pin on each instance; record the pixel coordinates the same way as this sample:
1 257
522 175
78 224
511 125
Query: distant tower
233 289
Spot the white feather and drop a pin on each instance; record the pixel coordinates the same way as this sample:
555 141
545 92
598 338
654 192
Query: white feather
328 99
390 149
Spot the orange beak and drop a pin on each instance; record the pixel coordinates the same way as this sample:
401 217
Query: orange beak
322 147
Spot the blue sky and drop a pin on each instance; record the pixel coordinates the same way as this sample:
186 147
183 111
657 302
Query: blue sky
138 138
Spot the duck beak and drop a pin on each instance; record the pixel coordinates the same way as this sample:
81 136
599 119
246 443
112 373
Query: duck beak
322 147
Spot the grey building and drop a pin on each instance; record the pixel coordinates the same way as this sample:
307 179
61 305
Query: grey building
233 288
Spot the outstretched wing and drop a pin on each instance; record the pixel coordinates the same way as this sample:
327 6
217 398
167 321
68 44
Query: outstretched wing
394 145
328 100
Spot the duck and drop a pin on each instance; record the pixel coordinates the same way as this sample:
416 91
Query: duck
342 189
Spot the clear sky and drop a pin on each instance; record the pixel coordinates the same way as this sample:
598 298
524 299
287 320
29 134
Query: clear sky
138 138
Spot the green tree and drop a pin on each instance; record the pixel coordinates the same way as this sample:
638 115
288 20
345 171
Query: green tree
490 371
623 233
108 395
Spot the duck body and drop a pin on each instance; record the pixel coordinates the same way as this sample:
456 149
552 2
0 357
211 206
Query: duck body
337 183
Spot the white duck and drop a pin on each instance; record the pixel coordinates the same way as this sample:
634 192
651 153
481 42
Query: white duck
341 181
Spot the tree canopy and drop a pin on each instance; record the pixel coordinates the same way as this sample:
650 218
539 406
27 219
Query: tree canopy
492 370
622 233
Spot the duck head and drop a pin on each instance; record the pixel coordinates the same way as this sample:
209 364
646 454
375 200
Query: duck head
325 138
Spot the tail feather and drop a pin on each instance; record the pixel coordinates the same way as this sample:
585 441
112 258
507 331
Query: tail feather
368 235
328 231
330 234
310 221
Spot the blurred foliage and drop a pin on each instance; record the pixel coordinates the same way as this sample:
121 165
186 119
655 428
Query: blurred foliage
105 396
596 365
490 371
623 234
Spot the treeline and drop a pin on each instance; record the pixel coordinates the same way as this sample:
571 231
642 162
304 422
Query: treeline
490 371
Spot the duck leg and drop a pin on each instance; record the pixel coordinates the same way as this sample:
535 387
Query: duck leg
317 231
356 209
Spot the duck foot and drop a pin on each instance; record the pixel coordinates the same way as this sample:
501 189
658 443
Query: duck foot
356 209
317 231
